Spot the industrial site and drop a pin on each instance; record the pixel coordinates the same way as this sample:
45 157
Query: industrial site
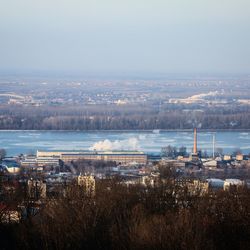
49 172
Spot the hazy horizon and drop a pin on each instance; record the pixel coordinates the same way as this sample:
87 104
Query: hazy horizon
122 38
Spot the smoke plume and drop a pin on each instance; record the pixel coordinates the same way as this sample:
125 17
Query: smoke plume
106 145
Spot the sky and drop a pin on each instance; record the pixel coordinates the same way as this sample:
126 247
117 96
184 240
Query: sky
125 36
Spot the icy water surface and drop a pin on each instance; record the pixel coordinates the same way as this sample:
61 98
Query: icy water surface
16 142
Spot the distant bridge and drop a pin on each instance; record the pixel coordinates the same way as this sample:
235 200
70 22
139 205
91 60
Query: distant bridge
13 95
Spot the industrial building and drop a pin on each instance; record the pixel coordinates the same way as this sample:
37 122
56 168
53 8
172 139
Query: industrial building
120 157
31 161
88 183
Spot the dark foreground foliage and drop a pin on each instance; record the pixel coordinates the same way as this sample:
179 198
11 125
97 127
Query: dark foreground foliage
121 217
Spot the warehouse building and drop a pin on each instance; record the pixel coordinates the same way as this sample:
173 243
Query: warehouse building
120 157
32 161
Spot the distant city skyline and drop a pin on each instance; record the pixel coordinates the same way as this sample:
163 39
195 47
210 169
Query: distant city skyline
121 38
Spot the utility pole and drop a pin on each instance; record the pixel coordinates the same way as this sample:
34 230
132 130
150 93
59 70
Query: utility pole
213 145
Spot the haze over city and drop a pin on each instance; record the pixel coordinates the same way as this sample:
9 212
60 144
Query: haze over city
125 124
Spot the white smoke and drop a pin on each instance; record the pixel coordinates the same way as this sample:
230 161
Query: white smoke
106 145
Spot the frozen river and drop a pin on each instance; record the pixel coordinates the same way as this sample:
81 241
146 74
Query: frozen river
16 142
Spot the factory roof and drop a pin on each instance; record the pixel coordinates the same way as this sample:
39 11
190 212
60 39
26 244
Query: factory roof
76 152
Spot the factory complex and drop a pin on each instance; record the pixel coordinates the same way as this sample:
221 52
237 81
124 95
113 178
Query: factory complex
52 157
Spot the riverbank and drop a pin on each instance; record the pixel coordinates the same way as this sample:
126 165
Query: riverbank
126 130
149 141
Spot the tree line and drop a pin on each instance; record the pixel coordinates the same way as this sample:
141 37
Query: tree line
135 217
118 118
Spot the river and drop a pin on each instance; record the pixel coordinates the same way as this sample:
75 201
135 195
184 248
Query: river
16 142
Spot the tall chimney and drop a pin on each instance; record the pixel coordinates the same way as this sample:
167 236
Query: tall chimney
195 141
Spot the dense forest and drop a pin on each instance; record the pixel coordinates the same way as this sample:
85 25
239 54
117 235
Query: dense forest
133 217
112 117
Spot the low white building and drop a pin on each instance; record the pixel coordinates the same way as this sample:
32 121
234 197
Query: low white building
210 163
227 158
232 183
215 183
10 165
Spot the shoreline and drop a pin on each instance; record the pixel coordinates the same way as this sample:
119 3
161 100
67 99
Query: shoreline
125 130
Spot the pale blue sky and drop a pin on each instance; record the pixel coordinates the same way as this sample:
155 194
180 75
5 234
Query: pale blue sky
125 36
